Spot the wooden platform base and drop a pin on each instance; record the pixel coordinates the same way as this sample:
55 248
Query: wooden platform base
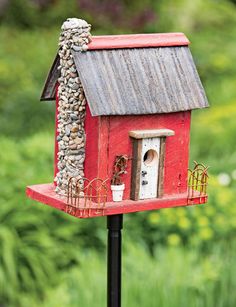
45 194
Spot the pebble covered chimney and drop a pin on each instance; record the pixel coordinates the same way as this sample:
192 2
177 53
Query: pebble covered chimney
75 34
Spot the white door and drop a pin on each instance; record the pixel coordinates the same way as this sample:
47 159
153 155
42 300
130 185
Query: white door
149 168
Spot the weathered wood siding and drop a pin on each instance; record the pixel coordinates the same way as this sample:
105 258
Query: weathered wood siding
140 81
49 89
56 134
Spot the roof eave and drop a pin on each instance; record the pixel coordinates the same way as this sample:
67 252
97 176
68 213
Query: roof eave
49 89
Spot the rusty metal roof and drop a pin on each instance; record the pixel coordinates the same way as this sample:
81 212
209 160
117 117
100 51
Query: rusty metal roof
140 81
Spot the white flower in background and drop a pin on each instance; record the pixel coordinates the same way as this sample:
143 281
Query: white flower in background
224 179
233 174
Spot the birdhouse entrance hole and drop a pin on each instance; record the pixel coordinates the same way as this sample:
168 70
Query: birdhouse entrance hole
150 157
148 163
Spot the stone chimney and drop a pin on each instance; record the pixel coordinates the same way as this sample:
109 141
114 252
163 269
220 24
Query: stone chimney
75 35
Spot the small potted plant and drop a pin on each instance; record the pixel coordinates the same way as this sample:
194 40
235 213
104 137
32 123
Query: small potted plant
117 185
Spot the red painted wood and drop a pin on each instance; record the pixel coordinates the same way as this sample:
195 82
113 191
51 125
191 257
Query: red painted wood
56 134
45 193
104 130
177 156
138 41
91 146
108 136
118 142
96 151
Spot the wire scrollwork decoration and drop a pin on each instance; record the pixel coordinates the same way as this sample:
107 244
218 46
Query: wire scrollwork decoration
198 181
84 195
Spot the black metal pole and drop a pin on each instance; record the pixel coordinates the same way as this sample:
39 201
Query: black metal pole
114 226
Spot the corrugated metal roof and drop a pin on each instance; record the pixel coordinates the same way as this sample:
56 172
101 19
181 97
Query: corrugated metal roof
140 81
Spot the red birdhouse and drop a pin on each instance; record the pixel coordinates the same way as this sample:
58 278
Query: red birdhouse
123 114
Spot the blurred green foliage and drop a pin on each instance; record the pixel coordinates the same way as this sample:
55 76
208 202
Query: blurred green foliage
201 281
50 259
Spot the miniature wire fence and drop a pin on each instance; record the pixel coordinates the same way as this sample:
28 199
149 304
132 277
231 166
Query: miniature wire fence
84 195
197 181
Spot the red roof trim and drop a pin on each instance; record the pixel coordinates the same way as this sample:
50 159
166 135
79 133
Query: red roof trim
138 41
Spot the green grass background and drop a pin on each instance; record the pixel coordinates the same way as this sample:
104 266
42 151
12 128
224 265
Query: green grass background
172 257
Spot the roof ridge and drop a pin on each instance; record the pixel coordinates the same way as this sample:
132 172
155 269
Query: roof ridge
138 41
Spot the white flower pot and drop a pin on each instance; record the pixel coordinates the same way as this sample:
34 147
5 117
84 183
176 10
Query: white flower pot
117 192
